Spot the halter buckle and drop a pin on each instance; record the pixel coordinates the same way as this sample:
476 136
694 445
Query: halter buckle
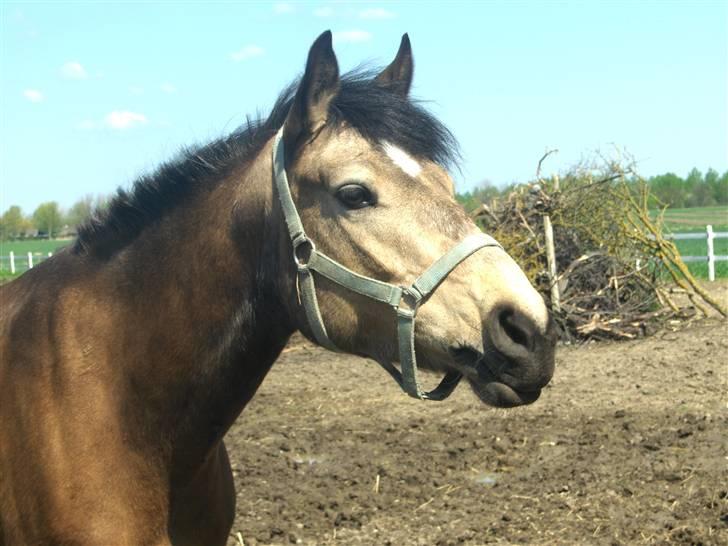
409 301
303 258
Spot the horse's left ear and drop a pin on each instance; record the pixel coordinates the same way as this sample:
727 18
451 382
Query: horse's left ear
398 75
319 85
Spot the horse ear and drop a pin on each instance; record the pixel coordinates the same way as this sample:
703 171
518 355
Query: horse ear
398 75
319 85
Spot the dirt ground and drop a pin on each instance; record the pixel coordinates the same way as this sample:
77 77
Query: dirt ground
628 445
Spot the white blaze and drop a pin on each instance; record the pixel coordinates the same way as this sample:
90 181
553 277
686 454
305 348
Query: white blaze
402 159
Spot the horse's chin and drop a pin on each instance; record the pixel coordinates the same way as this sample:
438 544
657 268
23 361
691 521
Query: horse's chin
500 395
485 384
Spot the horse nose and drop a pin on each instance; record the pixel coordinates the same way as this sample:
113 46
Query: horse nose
515 329
526 349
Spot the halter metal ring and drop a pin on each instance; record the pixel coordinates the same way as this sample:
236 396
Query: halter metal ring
300 241
409 302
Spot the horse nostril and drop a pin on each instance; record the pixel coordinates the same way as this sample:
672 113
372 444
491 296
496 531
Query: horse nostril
516 328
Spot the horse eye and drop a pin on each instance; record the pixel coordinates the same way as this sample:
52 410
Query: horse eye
355 196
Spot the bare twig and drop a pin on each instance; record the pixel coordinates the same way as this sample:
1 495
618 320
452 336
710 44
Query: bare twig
540 162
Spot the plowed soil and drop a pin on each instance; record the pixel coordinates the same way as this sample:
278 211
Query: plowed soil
627 445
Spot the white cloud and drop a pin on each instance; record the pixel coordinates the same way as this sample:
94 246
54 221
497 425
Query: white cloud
73 70
167 87
352 36
118 119
376 13
123 119
283 7
33 95
323 12
248 52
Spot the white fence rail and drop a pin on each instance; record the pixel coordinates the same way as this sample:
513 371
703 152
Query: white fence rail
709 235
17 263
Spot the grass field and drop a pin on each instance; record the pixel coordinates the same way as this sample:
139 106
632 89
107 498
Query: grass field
694 220
699 247
39 249
42 246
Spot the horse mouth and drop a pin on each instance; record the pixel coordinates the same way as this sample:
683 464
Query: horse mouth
486 378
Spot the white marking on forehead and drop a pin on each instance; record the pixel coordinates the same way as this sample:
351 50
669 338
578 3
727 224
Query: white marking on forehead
402 159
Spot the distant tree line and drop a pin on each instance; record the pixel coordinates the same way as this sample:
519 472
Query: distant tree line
695 190
48 219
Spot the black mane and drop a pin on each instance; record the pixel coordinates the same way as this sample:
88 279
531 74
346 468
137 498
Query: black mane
378 114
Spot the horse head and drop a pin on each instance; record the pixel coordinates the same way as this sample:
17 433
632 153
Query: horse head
365 170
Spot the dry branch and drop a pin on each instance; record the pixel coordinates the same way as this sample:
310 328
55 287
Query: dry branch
614 266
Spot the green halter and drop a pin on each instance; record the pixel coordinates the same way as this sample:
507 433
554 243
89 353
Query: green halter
405 300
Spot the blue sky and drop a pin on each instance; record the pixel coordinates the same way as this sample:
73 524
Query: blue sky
94 94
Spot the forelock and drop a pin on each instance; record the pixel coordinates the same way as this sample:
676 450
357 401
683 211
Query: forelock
382 116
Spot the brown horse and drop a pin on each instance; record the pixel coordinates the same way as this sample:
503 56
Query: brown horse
126 357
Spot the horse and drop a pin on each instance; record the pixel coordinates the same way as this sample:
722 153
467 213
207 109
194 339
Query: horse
128 355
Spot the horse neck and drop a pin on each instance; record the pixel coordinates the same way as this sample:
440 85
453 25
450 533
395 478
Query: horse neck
203 315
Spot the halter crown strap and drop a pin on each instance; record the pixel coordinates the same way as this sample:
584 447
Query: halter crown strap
404 300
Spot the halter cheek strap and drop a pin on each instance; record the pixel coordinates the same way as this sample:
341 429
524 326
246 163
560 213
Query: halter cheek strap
405 301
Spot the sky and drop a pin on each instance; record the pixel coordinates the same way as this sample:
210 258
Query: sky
94 94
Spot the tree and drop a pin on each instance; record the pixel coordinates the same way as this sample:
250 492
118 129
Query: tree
693 189
718 186
484 192
12 223
669 188
80 211
701 196
48 218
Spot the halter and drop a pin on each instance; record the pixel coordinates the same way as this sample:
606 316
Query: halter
405 300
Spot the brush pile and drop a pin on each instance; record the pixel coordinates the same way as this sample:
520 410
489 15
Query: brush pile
616 272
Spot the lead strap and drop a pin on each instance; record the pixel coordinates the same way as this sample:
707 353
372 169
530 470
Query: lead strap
311 308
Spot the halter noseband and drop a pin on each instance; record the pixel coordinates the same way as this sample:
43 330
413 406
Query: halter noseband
405 300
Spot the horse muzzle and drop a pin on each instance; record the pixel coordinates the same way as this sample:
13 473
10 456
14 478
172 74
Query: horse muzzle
516 362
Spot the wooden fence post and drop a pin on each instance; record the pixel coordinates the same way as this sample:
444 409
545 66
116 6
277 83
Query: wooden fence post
548 231
30 260
711 253
12 262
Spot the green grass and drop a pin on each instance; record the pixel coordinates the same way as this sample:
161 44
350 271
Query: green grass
6 276
699 247
695 219
36 246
